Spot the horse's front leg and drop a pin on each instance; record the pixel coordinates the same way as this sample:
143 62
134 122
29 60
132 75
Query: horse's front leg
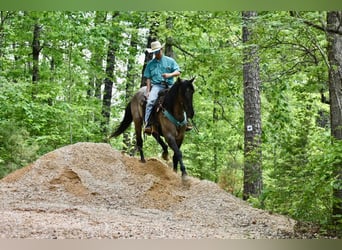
177 157
165 153
175 162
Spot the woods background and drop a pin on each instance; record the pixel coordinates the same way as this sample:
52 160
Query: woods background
66 77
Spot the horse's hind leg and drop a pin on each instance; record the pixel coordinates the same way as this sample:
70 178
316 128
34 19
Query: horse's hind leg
139 141
165 153
140 148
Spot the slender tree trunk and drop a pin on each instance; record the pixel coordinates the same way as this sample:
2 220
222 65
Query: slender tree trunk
131 78
2 35
252 146
334 22
215 147
108 81
4 17
169 40
35 52
107 94
148 57
152 37
96 65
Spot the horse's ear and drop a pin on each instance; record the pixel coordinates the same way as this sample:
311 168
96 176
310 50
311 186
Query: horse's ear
193 79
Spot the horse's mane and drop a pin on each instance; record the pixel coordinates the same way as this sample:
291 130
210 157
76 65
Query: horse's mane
171 95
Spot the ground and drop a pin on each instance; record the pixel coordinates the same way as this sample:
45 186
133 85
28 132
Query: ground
89 190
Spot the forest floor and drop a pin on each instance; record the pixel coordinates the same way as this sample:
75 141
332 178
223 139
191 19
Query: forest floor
89 190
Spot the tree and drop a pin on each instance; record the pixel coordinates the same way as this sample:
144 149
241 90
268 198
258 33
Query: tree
297 163
252 107
96 60
4 17
36 47
334 21
108 81
131 76
154 24
169 41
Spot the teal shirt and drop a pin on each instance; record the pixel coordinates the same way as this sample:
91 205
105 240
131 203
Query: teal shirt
155 69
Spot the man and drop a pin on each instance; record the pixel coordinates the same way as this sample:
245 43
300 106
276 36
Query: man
159 74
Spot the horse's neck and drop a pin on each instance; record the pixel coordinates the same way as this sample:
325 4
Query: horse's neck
174 106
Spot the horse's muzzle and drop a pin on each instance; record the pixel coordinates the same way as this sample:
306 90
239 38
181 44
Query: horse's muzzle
191 114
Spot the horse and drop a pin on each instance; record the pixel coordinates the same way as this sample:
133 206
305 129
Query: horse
169 118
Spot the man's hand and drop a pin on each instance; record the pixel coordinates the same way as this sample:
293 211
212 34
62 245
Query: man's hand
166 75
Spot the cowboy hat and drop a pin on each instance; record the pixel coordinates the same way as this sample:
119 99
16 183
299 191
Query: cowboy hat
155 46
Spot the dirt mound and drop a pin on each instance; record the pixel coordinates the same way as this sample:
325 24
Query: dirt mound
89 190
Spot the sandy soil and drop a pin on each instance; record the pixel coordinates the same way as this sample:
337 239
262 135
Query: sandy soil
89 190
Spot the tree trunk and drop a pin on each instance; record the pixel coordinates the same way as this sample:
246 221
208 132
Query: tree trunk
252 114
152 37
334 22
215 146
131 78
96 65
108 82
2 35
35 52
169 40
148 57
4 17
107 94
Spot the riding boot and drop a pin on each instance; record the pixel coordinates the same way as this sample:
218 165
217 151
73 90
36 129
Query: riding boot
148 126
148 129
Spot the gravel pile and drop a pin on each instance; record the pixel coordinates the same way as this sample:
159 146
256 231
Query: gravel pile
89 190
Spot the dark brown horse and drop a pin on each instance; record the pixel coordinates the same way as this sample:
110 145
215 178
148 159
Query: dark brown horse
168 120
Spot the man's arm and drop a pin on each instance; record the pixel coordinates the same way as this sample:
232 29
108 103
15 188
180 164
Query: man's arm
174 68
168 75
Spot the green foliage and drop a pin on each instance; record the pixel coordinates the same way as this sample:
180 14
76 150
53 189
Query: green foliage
302 188
298 174
231 178
17 148
64 107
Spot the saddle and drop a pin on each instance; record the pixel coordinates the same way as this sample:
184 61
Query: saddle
160 100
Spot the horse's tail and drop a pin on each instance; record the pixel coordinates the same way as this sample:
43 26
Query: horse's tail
128 118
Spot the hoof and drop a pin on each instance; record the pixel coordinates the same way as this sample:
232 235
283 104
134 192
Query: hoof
143 161
186 180
165 156
184 176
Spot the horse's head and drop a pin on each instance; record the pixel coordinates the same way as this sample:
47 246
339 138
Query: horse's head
187 90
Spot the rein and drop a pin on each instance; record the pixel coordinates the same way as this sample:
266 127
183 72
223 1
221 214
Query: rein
167 114
172 119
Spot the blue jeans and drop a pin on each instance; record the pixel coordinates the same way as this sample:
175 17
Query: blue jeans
152 99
